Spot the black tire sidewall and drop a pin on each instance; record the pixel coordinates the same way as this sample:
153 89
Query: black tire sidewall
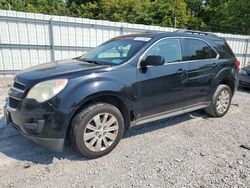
81 122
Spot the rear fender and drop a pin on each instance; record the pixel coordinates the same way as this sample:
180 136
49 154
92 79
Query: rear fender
225 74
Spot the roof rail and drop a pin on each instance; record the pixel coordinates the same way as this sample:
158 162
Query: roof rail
196 32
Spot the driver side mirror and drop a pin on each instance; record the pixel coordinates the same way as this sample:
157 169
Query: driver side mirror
152 60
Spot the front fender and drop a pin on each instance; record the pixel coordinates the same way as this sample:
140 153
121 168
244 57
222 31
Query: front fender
82 92
81 89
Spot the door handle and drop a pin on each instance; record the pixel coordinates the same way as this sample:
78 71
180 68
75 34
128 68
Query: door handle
214 65
180 71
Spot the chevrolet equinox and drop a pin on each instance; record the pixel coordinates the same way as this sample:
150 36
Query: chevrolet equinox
89 101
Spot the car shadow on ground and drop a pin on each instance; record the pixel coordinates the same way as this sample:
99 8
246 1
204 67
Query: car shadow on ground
15 146
172 121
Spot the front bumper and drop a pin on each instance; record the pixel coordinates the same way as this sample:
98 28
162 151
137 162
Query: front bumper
244 80
41 128
51 144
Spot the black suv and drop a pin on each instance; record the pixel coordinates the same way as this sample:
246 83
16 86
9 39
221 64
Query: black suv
89 101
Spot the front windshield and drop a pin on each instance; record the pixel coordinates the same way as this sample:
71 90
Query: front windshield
116 51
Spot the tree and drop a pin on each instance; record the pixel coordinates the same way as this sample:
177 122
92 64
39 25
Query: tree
237 16
195 6
18 5
78 2
231 16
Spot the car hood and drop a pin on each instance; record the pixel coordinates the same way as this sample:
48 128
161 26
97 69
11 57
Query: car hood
65 68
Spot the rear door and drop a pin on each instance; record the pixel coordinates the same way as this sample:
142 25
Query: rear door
202 66
162 88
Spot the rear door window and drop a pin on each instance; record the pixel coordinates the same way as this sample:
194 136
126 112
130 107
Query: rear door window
198 50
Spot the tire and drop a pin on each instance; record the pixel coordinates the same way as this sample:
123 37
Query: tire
220 102
97 130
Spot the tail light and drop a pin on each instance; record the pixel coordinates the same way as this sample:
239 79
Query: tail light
237 64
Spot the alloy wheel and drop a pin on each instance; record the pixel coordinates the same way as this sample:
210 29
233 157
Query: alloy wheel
101 132
223 101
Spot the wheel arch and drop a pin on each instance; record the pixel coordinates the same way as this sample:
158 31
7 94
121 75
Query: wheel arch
229 82
112 98
225 76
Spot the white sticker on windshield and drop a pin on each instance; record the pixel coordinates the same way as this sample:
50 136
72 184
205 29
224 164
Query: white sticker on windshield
142 38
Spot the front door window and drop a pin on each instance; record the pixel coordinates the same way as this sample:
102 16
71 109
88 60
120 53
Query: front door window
169 49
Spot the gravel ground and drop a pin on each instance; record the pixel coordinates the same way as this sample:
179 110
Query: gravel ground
191 150
4 85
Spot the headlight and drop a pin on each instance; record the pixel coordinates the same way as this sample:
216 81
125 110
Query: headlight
44 91
243 72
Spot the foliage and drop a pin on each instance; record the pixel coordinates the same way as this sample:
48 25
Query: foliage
231 16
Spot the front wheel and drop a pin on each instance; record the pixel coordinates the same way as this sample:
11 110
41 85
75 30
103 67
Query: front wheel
221 101
97 129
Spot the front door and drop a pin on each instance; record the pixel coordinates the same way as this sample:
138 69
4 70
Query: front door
162 88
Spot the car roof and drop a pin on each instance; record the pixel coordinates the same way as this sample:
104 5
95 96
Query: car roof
186 33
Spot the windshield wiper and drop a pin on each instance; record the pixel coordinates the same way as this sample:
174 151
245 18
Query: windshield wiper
90 61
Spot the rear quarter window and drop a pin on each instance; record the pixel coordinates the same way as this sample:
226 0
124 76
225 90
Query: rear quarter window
223 49
197 50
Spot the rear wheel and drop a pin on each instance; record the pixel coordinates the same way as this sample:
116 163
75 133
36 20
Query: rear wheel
97 129
221 101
